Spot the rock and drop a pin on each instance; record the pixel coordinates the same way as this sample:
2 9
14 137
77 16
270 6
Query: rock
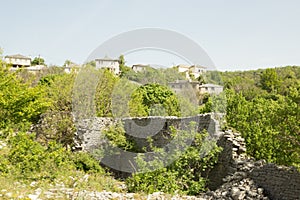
237 194
38 191
9 194
33 183
33 196
260 190
241 150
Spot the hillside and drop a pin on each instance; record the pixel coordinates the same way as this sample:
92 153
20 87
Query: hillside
37 130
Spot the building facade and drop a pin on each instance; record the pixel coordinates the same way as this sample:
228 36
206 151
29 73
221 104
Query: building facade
139 67
194 70
108 63
210 89
18 60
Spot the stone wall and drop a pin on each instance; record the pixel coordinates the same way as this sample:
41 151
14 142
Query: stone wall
89 131
235 176
279 182
239 176
158 128
139 129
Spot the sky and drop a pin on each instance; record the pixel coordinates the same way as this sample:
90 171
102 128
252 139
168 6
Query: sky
235 34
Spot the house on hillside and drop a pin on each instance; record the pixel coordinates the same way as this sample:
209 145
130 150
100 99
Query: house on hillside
36 68
139 67
18 60
194 90
69 66
197 70
180 85
210 89
194 70
182 68
112 64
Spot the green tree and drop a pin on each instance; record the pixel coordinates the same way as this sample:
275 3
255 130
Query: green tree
269 80
123 68
104 92
20 103
270 126
56 122
38 61
154 99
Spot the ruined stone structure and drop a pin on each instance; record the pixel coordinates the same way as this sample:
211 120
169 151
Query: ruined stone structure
235 176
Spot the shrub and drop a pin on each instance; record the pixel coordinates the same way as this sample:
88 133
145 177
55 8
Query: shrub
20 104
154 99
184 174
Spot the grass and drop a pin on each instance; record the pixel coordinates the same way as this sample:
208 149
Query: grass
14 186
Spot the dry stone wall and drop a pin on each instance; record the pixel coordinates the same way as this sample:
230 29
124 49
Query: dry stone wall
238 176
89 131
235 176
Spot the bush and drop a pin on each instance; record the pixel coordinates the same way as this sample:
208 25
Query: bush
154 99
31 160
56 126
85 162
20 104
28 159
185 174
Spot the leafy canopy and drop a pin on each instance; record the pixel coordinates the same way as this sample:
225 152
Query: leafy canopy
154 99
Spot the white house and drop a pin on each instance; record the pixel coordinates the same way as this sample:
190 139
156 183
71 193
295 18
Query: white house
210 89
18 60
197 70
69 66
112 64
139 67
184 69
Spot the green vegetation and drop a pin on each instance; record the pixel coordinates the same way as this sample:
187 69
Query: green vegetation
38 61
185 172
20 104
180 169
37 124
154 100
150 75
26 161
264 106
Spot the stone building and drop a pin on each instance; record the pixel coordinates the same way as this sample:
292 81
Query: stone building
210 89
140 67
112 64
194 70
18 60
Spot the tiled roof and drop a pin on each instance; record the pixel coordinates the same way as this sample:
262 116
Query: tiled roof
17 56
106 58
210 85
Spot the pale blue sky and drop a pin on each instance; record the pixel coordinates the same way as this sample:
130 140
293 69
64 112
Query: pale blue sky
236 34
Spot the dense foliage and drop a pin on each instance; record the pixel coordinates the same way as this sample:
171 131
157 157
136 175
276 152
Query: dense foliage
154 100
264 105
20 104
38 61
151 75
37 122
180 171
